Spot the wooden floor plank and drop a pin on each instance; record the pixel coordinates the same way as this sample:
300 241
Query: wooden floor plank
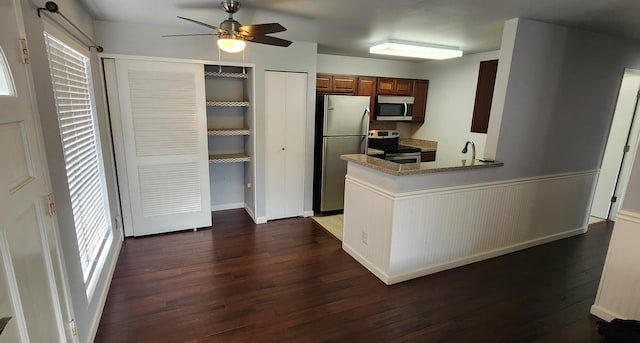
290 281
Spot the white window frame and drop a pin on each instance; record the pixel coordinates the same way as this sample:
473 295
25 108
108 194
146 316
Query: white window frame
92 256
7 87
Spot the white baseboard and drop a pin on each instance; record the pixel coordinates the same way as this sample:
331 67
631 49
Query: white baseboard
393 279
363 261
603 313
257 220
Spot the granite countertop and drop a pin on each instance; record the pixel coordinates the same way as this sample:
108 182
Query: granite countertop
425 145
400 169
372 151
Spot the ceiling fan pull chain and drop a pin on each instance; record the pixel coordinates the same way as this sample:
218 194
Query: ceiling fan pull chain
244 67
219 60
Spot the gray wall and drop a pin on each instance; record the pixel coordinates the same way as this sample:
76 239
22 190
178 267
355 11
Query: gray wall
146 40
631 201
561 88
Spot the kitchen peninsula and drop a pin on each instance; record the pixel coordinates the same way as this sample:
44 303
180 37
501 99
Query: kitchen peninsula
401 226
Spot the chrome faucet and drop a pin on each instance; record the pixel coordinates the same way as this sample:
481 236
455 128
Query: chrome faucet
473 149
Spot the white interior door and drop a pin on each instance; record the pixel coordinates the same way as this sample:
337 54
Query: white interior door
614 169
162 119
28 291
285 114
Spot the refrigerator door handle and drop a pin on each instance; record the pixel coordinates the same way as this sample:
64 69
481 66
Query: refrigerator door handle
367 116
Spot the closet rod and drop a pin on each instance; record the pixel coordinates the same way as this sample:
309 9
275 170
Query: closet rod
53 8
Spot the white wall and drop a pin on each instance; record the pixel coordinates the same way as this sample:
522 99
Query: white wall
146 40
452 92
365 66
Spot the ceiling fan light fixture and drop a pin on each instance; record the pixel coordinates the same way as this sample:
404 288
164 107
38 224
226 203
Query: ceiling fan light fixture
231 44
415 50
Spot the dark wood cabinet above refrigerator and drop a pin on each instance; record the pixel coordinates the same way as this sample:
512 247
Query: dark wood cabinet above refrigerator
374 86
336 84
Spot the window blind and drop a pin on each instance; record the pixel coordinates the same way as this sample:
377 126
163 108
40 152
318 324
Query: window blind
70 73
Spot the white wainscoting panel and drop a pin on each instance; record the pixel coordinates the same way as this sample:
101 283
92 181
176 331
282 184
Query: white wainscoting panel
413 234
367 227
619 290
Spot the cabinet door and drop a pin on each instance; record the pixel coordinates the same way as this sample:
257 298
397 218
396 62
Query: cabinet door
386 86
323 83
285 114
164 143
484 96
404 87
427 156
344 84
367 86
420 101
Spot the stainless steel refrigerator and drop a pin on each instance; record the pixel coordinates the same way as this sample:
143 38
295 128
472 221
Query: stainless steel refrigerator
342 125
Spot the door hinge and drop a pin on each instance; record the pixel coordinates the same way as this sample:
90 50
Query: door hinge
614 198
72 328
52 205
627 148
24 51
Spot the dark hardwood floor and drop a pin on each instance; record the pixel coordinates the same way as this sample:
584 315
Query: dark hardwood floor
289 281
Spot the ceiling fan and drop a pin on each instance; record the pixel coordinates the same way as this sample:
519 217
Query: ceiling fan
232 35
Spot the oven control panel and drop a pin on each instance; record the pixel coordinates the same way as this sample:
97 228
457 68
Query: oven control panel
382 134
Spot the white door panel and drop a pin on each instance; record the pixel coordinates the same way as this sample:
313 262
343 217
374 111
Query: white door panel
614 153
285 112
28 291
164 145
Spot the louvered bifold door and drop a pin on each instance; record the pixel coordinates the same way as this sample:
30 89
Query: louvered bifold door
164 134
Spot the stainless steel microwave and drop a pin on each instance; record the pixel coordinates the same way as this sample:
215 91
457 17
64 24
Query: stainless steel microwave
394 108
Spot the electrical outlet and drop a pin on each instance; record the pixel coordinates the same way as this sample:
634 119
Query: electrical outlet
365 237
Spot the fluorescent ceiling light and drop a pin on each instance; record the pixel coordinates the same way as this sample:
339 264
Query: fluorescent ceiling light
415 50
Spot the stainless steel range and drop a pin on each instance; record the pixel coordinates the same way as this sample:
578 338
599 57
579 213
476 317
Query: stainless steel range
387 141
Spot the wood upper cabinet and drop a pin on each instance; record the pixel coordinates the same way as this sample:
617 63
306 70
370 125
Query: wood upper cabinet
323 83
419 100
393 86
367 86
484 96
374 86
331 83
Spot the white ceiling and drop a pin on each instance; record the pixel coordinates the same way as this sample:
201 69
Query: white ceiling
349 27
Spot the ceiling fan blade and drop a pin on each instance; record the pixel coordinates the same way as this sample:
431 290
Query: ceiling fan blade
262 29
269 40
192 34
199 23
